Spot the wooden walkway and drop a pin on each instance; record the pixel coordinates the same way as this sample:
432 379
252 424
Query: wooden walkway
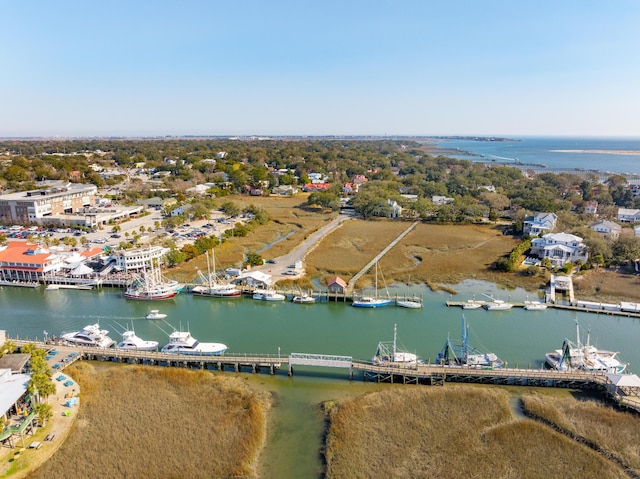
352 282
424 373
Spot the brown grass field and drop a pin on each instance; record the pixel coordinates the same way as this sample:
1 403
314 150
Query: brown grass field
139 421
616 432
434 254
453 432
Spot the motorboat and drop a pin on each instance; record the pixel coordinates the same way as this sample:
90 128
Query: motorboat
90 335
409 303
462 354
133 343
303 298
268 295
388 354
155 314
211 286
534 306
181 342
372 301
585 357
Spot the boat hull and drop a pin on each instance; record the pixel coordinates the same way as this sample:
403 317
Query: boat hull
150 296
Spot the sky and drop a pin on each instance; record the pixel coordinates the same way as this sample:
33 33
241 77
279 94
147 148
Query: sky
347 67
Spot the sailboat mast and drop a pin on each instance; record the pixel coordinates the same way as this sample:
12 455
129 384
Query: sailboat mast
394 338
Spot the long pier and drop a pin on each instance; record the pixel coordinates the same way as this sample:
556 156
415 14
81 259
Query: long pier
422 373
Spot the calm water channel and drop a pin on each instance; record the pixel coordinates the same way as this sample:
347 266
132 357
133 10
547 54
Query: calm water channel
519 337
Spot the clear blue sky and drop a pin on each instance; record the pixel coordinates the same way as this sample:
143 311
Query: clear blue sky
276 67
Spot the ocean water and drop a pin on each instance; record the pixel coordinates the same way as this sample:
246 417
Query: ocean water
535 150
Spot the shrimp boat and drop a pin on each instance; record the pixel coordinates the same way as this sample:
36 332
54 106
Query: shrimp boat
462 354
211 286
372 301
150 285
387 354
584 357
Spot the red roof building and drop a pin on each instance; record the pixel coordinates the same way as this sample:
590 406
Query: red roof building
24 261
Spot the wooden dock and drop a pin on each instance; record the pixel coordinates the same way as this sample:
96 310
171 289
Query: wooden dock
423 373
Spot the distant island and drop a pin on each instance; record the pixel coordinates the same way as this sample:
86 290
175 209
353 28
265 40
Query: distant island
472 138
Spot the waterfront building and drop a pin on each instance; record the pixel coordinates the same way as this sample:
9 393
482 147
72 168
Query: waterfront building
28 262
560 248
540 223
138 259
337 285
47 205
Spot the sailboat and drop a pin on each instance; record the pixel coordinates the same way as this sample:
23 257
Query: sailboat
211 286
387 354
372 301
497 304
462 354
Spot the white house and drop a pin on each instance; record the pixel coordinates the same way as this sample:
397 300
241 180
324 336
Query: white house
540 223
591 207
636 230
607 228
441 200
396 209
628 215
139 258
559 248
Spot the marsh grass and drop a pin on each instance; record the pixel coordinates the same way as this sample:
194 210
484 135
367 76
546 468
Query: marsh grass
453 432
139 421
614 432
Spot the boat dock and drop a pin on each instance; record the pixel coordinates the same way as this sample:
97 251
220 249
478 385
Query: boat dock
622 393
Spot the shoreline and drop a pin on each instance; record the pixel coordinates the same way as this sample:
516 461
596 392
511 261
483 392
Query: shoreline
602 152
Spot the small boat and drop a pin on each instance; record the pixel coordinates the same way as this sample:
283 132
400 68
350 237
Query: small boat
303 298
90 335
584 357
181 342
268 295
409 303
461 354
155 314
372 301
534 306
387 354
52 287
132 342
473 304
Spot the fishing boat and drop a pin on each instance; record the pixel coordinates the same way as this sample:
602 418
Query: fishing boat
496 304
462 354
387 354
150 285
372 301
303 298
585 357
181 342
131 342
212 286
90 335
155 314
268 295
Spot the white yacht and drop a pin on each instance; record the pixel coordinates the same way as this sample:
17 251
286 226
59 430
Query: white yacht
304 298
90 335
155 314
496 304
534 306
409 303
181 342
268 295
132 342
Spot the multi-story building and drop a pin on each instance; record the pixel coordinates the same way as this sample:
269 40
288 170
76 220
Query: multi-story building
540 223
20 261
138 258
559 248
46 205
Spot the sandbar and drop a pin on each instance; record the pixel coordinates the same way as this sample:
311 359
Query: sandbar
602 152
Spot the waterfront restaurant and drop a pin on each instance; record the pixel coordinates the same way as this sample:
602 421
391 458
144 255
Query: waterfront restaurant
27 262
15 406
